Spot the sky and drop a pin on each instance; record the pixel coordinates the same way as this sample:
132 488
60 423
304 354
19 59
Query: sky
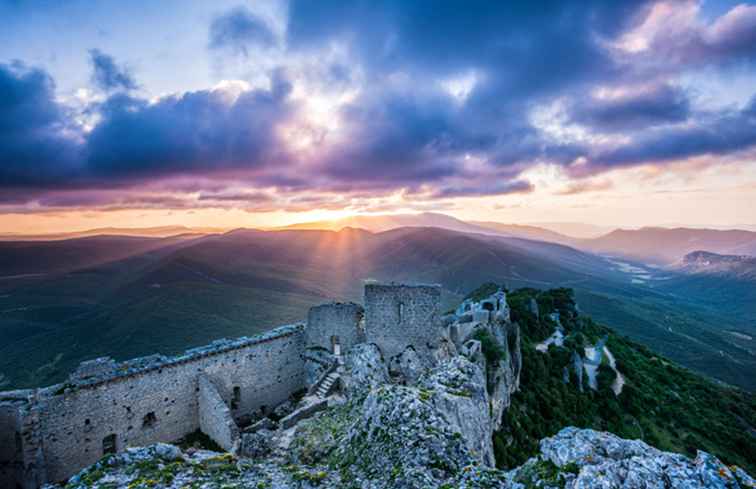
264 113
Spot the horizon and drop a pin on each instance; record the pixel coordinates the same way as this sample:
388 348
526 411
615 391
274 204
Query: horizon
271 113
589 230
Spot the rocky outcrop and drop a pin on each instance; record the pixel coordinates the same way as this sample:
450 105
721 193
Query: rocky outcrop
577 367
364 369
458 391
503 378
407 366
588 459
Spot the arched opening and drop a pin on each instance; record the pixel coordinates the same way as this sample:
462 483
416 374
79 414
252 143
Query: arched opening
336 345
488 306
236 399
109 444
149 420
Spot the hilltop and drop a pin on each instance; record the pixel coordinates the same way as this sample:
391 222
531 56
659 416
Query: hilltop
522 393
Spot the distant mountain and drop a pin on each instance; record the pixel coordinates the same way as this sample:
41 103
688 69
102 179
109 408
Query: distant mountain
154 232
574 229
739 267
129 296
46 257
527 232
387 222
666 246
380 223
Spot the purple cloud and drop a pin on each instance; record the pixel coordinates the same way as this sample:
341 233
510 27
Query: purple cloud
646 107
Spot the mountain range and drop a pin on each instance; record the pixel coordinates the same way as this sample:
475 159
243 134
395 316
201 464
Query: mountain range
68 300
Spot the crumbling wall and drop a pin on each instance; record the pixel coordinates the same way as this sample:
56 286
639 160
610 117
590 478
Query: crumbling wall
398 316
335 320
160 403
11 463
215 419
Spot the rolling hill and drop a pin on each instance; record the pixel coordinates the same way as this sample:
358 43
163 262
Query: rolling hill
178 293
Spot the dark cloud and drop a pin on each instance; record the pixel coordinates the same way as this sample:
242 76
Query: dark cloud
521 48
485 189
239 30
640 108
713 134
107 75
198 132
34 149
410 128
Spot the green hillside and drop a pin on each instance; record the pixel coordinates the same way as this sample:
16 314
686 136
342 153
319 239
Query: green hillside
661 403
190 292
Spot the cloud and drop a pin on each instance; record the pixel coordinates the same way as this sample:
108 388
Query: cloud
373 100
486 189
581 187
197 132
34 147
713 134
107 75
239 30
673 35
633 108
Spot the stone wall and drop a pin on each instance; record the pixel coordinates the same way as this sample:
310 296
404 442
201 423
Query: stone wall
159 403
11 465
337 319
215 418
398 316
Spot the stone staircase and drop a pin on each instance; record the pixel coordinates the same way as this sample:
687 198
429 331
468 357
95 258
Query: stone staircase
325 387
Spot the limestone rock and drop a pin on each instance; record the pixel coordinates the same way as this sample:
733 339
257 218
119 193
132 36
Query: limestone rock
533 307
589 459
257 444
458 391
504 378
364 368
407 366
401 440
284 409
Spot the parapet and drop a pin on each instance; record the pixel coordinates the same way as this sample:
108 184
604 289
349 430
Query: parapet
105 369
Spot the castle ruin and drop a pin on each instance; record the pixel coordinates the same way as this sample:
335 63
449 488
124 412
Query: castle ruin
48 434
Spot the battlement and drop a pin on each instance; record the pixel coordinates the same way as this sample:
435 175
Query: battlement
92 373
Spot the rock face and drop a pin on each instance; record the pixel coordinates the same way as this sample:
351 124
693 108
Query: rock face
364 369
407 366
503 378
458 391
588 459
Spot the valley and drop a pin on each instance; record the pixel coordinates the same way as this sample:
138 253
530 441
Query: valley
146 295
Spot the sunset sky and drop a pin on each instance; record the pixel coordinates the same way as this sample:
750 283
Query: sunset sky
264 113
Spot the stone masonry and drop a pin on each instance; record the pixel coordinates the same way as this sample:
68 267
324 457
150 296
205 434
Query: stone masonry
400 316
336 322
215 417
48 434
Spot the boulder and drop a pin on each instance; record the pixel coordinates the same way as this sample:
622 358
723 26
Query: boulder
407 366
589 459
364 368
